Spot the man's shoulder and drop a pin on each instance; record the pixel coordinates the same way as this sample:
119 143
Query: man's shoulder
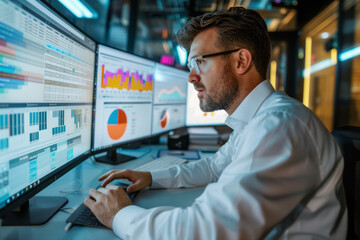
281 110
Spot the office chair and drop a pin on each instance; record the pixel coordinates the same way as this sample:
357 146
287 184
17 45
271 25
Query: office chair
348 139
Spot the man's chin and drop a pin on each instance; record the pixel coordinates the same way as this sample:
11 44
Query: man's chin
203 107
206 108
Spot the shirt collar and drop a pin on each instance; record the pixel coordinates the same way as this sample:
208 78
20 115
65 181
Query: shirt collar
250 105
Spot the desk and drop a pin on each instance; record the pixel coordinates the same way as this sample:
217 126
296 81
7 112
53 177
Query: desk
84 176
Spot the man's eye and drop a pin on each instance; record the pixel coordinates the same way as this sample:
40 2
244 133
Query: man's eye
199 61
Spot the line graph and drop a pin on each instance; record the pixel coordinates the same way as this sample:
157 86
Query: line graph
174 93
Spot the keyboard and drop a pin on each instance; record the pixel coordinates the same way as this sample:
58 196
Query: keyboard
84 217
163 162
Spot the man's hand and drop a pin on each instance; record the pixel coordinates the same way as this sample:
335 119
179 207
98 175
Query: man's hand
140 180
106 202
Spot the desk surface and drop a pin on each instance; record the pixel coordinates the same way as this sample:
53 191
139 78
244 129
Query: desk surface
84 176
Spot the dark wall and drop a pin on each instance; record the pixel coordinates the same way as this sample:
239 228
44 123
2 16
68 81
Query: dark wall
308 9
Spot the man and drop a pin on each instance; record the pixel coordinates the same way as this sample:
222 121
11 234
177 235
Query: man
278 176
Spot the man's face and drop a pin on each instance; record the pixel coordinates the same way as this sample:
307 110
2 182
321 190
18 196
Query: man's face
216 84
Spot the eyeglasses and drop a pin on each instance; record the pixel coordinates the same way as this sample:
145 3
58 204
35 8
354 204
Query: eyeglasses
194 62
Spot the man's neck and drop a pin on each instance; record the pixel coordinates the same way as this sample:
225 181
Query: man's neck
245 90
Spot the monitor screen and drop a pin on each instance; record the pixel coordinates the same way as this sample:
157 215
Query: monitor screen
46 93
169 98
124 95
196 117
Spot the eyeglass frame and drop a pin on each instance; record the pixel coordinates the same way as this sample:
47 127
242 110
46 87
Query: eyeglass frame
193 61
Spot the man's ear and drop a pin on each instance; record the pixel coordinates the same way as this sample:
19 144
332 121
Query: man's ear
243 61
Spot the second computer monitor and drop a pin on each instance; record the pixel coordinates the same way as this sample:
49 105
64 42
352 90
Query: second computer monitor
169 99
123 98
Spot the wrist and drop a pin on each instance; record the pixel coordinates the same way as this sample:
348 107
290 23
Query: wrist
149 176
124 206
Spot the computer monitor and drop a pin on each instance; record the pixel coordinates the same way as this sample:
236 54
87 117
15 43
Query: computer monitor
169 99
196 117
123 102
46 93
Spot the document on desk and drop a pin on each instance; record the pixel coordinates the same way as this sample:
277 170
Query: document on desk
185 154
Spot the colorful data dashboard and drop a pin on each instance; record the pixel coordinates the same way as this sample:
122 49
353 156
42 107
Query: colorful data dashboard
168 117
196 117
169 98
38 58
170 85
124 96
46 93
123 76
122 123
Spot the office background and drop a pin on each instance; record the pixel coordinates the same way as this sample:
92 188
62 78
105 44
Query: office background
315 43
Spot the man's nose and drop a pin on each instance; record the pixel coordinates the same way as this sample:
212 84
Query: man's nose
193 76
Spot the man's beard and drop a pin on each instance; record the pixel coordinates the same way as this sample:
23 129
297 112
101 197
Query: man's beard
225 94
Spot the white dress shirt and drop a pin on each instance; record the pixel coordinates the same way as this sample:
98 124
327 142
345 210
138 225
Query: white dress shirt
279 176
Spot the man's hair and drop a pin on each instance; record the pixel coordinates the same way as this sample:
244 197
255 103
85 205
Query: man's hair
237 28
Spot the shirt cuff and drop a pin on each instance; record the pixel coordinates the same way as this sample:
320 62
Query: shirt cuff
160 178
123 219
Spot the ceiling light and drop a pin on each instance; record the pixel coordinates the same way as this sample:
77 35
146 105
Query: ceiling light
324 35
69 5
79 9
182 55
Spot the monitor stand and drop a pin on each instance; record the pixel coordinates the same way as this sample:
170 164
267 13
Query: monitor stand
36 211
114 158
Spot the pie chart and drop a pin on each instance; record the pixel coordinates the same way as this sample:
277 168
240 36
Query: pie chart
116 124
164 119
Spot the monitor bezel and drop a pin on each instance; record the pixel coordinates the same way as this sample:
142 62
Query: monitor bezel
59 172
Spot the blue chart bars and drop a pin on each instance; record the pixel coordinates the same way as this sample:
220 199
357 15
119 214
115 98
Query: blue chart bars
4 126
16 124
37 119
61 128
